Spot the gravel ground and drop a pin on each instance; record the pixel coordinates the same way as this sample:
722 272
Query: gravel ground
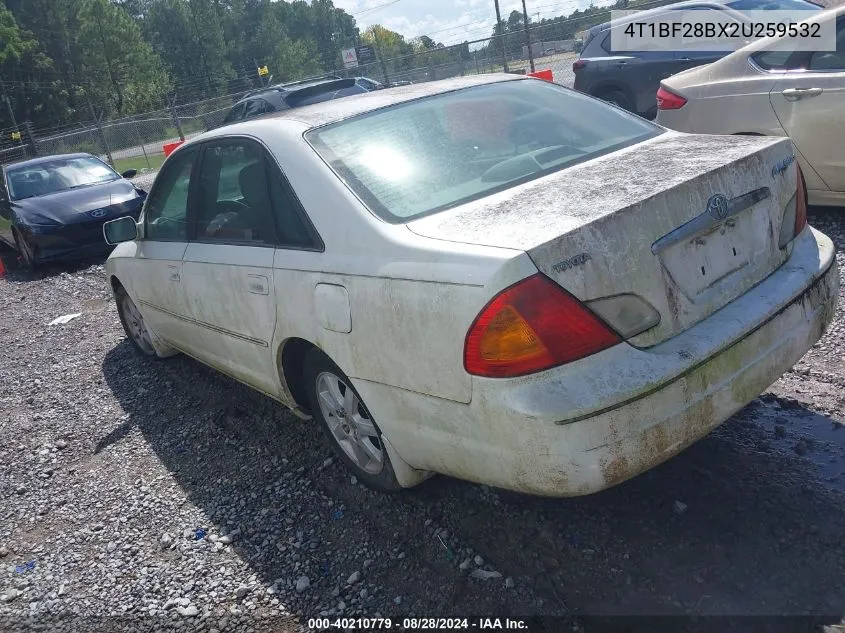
162 495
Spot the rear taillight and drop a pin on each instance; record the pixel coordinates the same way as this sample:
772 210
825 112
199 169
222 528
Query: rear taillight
669 100
578 64
532 326
795 217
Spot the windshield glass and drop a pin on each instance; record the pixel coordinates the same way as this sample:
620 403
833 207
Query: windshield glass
59 174
434 153
773 5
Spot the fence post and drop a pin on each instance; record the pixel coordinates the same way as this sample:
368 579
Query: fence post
30 135
141 141
97 122
527 35
175 116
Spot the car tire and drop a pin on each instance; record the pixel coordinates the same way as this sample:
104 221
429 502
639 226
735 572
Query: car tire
25 254
617 98
347 423
133 324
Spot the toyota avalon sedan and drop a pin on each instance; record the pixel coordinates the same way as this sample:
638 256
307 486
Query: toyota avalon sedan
494 278
54 207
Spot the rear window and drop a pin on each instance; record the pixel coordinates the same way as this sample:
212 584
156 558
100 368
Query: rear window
424 156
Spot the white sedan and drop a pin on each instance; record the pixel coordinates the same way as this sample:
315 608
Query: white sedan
764 89
495 278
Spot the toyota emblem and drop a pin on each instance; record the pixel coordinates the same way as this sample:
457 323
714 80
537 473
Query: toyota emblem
717 207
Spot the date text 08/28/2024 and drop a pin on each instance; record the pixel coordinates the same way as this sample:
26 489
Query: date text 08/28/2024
416 624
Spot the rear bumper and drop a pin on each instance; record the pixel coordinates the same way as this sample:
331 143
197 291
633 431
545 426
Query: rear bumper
592 424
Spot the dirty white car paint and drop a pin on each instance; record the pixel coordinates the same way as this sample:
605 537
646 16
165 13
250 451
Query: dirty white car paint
678 286
761 89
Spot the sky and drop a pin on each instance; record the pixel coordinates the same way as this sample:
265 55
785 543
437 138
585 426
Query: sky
449 21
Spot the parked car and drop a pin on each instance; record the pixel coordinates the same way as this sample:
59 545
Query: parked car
762 89
286 96
630 79
492 277
53 207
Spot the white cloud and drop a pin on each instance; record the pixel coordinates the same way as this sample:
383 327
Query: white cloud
451 21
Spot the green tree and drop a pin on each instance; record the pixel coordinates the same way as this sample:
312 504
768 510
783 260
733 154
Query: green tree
188 36
122 69
25 69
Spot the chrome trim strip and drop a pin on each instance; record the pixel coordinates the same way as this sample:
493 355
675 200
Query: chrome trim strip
706 221
209 326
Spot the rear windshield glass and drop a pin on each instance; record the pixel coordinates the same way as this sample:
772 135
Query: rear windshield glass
420 157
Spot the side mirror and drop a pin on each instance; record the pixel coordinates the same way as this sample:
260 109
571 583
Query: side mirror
130 173
120 230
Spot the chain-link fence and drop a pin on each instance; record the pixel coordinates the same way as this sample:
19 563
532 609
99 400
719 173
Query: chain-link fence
137 142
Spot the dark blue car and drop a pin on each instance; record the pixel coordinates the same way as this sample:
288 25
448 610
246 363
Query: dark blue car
53 208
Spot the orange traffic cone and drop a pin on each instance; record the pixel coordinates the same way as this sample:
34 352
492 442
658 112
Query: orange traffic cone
2 268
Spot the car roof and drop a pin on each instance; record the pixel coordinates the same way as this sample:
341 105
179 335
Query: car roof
339 109
638 15
280 91
45 159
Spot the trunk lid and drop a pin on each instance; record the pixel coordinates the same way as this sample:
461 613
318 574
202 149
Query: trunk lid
686 222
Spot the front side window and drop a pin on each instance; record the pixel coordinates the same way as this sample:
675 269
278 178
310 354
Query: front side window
233 198
427 155
166 209
55 175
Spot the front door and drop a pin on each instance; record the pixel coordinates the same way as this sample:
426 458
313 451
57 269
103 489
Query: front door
155 280
811 108
227 269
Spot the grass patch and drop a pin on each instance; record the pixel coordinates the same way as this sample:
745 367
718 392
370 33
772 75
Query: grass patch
139 163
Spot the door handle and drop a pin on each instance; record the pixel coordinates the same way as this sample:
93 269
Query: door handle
685 59
794 94
174 273
257 284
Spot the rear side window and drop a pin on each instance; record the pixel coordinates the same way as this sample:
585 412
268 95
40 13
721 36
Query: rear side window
233 197
831 61
774 60
236 114
431 154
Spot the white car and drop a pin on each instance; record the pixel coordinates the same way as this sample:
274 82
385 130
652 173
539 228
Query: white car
763 89
495 278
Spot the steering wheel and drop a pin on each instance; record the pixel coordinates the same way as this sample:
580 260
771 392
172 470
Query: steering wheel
231 206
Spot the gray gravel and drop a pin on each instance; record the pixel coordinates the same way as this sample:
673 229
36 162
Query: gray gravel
163 493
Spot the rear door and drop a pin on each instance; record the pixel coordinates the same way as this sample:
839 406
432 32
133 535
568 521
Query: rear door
228 265
811 108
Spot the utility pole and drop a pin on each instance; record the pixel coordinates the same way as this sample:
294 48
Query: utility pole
501 36
527 35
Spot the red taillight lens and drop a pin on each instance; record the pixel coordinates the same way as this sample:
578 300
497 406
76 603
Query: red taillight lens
669 100
800 204
578 64
532 326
